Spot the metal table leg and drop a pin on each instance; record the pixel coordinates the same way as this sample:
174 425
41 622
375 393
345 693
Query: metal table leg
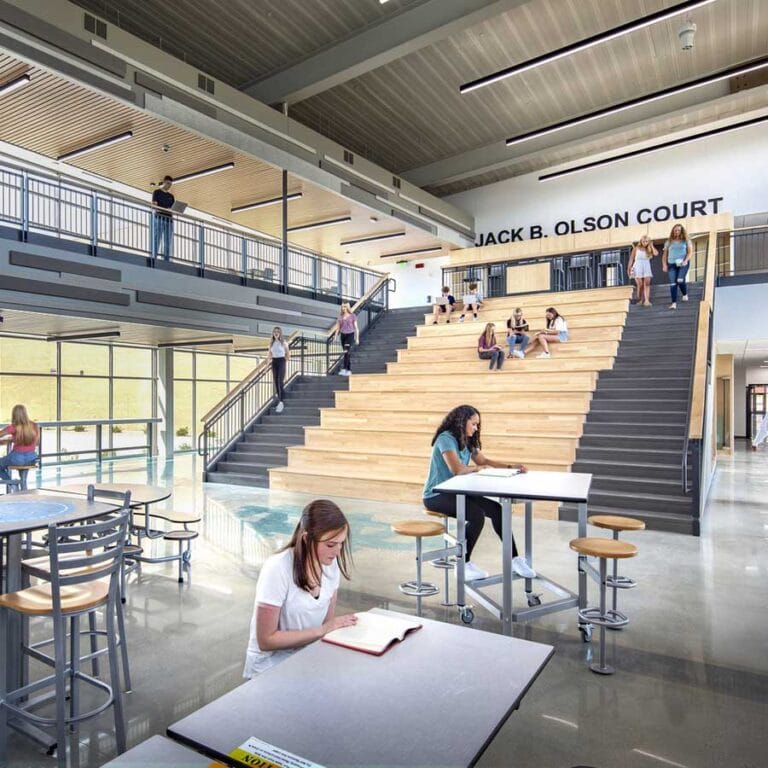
506 566
584 627
461 541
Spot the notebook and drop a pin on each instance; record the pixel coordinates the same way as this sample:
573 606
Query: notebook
373 633
179 207
498 472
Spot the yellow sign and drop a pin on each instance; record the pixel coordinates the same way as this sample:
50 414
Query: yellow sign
259 754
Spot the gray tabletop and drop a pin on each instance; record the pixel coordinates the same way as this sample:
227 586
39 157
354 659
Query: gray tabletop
32 510
159 752
436 699
537 486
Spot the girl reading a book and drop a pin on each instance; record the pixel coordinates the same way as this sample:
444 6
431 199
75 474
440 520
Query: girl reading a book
455 444
296 591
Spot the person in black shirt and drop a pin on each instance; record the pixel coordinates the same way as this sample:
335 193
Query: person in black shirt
162 202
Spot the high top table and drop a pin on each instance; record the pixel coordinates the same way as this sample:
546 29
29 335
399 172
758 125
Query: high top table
527 488
337 707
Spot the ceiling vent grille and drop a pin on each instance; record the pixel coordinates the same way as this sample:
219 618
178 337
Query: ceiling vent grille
205 83
396 183
95 26
349 157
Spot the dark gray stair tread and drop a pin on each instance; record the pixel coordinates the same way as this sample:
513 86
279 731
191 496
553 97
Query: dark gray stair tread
230 478
654 498
586 452
640 465
665 521
246 468
654 484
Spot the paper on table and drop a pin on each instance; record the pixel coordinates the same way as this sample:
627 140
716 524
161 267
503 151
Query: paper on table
498 472
260 754
373 633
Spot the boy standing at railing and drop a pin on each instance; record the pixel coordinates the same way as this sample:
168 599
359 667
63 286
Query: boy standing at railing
162 202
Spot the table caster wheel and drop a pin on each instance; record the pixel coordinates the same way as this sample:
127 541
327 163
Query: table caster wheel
467 615
533 600
586 632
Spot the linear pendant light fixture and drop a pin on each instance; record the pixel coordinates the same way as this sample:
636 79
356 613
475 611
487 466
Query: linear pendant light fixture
80 335
741 69
15 84
96 145
204 172
372 238
318 224
414 252
655 148
195 343
589 42
265 203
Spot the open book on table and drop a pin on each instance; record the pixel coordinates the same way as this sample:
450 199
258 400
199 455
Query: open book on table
373 633
498 472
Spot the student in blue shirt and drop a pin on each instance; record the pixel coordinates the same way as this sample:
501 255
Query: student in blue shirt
456 442
675 260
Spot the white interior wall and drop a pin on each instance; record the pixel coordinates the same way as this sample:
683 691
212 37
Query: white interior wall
414 285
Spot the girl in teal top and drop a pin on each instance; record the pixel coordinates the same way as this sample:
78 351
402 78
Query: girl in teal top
455 444
675 260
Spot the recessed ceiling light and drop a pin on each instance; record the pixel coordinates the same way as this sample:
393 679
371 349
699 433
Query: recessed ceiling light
265 203
318 224
415 251
15 84
204 172
372 238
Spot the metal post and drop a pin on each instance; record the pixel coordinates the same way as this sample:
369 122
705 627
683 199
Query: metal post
506 565
244 257
94 224
24 205
98 443
200 248
284 239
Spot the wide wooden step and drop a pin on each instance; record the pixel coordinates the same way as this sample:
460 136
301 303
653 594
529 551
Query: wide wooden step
470 327
525 381
373 418
557 362
461 352
528 402
534 311
558 299
449 339
335 484
409 443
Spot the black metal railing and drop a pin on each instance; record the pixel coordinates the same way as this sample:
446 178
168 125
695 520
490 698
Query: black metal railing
742 251
316 355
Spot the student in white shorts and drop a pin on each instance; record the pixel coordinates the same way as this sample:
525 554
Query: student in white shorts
640 268
297 588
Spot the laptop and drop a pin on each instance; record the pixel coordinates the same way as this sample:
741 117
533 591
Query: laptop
179 207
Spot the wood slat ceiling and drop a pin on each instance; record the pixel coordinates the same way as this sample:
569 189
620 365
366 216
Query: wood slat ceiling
410 113
51 116
239 41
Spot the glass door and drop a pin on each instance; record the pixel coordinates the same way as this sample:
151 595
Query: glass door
757 398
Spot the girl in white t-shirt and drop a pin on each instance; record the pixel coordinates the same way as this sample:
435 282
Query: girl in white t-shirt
556 332
296 591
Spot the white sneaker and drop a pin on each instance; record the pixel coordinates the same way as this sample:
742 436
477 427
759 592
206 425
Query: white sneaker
461 319
280 407
685 298
345 372
521 568
673 306
543 355
472 572
518 353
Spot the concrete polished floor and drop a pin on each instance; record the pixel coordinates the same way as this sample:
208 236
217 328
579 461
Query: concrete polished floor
691 687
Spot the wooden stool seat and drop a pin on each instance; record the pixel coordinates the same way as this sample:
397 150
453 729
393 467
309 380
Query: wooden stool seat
418 528
604 548
616 522
181 535
36 601
178 518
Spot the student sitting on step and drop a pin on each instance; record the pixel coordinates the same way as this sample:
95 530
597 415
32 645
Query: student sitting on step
455 444
517 325
556 332
471 301
489 349
297 588
443 306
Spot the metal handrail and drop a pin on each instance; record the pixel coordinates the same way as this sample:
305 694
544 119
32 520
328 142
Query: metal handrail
68 209
254 395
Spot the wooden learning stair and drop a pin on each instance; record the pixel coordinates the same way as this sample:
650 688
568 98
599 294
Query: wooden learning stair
375 442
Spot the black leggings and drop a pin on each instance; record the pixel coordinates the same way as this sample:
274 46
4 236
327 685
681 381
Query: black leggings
347 340
278 376
477 509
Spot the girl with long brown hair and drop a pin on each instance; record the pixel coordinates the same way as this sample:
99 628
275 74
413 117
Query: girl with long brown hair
489 349
25 438
278 355
297 588
556 332
675 261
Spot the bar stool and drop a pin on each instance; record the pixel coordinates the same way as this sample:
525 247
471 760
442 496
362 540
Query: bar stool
23 470
184 538
418 529
604 549
85 562
447 562
616 524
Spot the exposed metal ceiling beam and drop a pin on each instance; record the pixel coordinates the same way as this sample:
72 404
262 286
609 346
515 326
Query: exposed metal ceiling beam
375 46
497 155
